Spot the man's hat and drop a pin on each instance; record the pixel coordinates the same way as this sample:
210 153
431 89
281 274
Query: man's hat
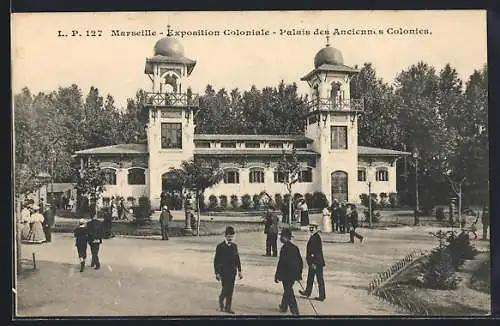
312 225
82 221
229 230
286 233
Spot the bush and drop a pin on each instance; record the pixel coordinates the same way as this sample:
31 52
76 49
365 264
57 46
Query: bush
439 272
131 199
393 199
212 202
319 200
278 200
256 201
104 212
223 201
234 201
460 248
376 216
384 200
440 214
364 199
245 201
142 211
309 199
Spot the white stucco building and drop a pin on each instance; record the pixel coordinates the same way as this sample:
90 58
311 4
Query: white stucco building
332 162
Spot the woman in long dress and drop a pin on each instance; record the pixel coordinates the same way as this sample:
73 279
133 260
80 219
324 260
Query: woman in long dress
36 235
114 209
25 223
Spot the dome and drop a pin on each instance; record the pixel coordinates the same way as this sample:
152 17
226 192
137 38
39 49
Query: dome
328 55
169 47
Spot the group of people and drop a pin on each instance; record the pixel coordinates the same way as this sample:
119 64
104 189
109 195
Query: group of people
227 265
345 218
89 234
37 222
300 211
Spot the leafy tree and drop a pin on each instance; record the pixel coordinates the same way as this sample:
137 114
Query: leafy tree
288 171
196 176
90 181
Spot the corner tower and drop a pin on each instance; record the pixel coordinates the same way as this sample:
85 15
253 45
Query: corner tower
332 124
171 110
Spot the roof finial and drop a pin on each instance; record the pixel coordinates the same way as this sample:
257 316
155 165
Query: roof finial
169 30
328 40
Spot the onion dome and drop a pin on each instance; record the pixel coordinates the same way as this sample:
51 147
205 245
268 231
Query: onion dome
169 47
328 55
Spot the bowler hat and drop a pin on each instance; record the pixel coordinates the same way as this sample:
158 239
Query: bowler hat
286 233
229 230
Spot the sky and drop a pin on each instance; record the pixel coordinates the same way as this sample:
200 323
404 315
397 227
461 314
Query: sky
44 61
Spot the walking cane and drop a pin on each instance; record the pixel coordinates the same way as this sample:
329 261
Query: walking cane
303 289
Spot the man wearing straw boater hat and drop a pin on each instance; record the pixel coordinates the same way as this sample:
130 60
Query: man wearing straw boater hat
316 262
226 264
288 271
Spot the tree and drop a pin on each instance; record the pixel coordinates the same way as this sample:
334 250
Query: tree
196 176
288 174
90 181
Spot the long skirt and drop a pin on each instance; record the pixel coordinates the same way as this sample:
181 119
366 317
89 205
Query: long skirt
36 235
304 218
25 231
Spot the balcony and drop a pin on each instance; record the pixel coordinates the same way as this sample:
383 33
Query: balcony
172 99
334 105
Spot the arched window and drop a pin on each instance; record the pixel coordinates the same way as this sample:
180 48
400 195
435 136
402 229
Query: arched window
382 174
136 176
231 176
109 176
361 174
256 175
305 175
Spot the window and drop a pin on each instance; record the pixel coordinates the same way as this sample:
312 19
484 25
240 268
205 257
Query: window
136 176
202 144
361 175
275 145
252 145
339 137
382 174
231 176
279 177
256 176
301 144
228 144
171 135
305 175
109 176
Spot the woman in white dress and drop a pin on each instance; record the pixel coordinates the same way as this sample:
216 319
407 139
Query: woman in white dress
25 223
36 235
114 209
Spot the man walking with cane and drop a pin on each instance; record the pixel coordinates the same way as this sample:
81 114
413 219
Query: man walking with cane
288 271
316 262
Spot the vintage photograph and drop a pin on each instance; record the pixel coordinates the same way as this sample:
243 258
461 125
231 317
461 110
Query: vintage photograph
310 163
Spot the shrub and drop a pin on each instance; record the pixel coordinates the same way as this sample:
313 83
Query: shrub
256 201
223 201
309 200
212 202
234 201
245 201
384 200
439 272
440 214
142 211
460 248
131 199
376 216
364 199
319 200
104 212
278 199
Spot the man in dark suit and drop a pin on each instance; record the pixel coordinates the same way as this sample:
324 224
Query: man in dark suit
352 223
49 220
271 230
226 264
316 262
95 232
288 271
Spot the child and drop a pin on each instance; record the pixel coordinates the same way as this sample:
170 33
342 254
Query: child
81 235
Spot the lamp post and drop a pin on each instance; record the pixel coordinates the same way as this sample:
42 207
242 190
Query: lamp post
415 155
53 152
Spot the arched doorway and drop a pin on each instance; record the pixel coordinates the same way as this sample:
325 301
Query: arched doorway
339 186
172 187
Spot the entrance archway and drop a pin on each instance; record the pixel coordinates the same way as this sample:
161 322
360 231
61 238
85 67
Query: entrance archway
172 187
339 186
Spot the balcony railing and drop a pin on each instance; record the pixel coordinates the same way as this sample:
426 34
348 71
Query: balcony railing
172 99
332 104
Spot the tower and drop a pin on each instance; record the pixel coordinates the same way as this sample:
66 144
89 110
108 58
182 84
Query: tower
332 124
170 128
